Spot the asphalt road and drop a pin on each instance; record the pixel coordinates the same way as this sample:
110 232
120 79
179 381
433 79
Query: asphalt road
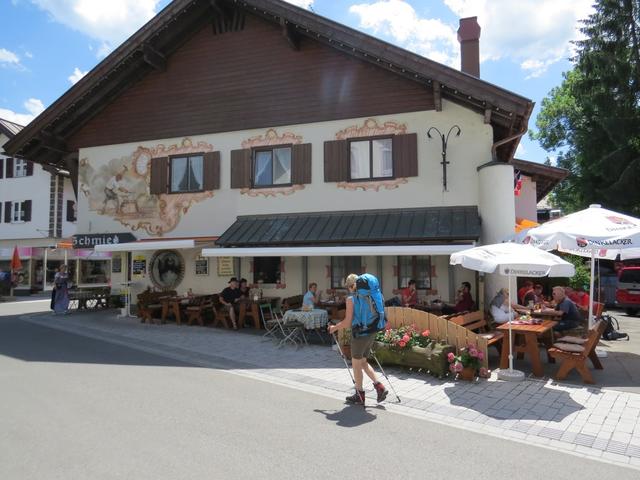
77 408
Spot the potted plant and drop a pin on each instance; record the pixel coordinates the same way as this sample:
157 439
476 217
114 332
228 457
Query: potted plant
467 363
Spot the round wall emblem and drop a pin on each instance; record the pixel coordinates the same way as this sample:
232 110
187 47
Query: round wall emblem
167 269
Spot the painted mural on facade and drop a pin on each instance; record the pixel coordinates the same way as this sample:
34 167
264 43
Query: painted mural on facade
120 189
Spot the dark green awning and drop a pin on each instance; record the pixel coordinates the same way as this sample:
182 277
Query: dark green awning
362 227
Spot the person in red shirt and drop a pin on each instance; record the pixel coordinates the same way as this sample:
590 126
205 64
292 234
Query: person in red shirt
581 299
522 291
410 295
465 301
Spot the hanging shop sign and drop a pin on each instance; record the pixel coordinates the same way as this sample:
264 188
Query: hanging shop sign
139 265
225 267
90 240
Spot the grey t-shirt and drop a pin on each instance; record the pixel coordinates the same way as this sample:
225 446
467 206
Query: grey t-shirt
569 311
498 300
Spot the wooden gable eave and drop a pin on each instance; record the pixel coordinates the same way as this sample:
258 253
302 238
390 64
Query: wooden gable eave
173 24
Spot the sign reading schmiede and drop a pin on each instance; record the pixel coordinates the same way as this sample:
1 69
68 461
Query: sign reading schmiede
90 240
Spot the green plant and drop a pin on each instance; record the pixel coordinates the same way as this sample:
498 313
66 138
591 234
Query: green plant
583 272
405 337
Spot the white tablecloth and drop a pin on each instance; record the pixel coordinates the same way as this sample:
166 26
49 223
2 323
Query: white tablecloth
312 319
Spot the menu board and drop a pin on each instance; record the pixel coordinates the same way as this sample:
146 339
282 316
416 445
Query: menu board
202 266
116 264
225 267
139 267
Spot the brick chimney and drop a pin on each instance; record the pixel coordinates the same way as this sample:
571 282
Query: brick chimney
469 38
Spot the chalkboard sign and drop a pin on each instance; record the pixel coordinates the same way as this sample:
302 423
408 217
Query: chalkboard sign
116 264
202 266
139 265
225 267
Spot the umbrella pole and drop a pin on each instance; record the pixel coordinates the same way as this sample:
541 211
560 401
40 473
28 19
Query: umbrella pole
591 282
510 375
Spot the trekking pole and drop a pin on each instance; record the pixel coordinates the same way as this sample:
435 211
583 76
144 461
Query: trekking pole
333 335
386 376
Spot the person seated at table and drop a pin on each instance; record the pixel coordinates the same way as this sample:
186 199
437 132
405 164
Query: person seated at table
571 294
312 296
582 299
229 298
500 307
464 302
535 296
410 295
566 310
244 288
527 286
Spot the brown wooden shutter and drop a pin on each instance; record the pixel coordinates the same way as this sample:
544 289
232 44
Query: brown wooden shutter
336 161
405 155
9 167
159 175
26 208
7 212
241 168
70 214
1 167
211 170
29 168
301 164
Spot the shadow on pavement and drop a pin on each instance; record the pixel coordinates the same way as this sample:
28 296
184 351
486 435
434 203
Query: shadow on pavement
350 415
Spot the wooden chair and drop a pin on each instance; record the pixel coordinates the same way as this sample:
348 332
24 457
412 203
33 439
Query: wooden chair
574 351
198 307
149 304
477 323
220 312
291 303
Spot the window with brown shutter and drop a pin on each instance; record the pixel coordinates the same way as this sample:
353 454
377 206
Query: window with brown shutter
371 158
336 161
186 173
1 167
405 155
159 175
211 171
26 211
9 167
7 212
29 168
271 166
301 164
241 168
71 211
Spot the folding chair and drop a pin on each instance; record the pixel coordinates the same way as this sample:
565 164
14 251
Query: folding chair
293 330
270 322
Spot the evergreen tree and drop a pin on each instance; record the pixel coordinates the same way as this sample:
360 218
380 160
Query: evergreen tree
593 118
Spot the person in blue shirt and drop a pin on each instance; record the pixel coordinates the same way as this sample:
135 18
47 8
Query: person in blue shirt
312 296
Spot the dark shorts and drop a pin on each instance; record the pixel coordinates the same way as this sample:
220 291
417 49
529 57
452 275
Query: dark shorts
361 346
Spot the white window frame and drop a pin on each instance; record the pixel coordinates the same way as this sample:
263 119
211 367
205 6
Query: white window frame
19 167
17 213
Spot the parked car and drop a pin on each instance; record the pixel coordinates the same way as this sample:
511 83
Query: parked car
628 290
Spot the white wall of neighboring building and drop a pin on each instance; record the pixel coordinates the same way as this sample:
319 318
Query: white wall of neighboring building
525 203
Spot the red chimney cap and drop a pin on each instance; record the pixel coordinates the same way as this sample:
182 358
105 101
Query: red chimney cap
469 29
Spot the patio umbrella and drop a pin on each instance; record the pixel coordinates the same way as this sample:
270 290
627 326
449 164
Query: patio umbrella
16 265
594 232
512 260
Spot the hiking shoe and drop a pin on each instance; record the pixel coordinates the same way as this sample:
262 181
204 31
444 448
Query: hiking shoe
381 391
356 399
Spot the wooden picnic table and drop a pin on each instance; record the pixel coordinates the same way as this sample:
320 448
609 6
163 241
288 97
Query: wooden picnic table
174 305
251 307
529 333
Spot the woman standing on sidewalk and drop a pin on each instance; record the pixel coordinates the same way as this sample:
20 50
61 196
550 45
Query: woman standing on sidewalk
61 285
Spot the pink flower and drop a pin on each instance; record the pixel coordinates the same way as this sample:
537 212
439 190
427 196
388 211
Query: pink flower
480 355
450 357
406 338
484 373
473 352
458 367
402 343
388 327
426 333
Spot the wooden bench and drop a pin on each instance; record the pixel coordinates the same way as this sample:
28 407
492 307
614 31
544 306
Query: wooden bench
477 322
574 351
220 312
291 303
148 303
197 307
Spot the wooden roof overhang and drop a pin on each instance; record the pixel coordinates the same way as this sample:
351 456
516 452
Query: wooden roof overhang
545 176
44 140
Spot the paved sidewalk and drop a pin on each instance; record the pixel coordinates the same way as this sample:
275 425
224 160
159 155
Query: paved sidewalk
590 421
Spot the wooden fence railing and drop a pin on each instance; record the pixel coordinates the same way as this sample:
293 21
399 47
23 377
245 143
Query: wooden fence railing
440 328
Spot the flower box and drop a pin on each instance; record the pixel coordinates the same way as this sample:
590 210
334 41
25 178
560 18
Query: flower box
432 358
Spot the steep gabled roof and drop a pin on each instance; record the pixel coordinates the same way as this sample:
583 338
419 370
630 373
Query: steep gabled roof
545 176
10 129
44 140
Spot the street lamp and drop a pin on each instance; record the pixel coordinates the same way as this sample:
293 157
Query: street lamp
445 140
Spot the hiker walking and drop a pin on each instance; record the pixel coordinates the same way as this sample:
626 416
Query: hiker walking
365 318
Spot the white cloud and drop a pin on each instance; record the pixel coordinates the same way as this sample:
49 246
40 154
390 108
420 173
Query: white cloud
430 37
535 34
77 75
7 57
32 105
301 3
110 22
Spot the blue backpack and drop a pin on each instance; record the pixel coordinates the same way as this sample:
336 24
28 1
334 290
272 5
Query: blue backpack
368 306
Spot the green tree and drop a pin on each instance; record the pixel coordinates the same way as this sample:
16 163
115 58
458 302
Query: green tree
592 120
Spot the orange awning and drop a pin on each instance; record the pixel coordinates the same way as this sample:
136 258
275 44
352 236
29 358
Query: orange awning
523 224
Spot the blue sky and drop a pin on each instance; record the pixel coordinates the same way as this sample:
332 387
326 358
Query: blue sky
47 45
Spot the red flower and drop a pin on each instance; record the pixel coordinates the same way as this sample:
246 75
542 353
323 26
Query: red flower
406 338
402 344
426 333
